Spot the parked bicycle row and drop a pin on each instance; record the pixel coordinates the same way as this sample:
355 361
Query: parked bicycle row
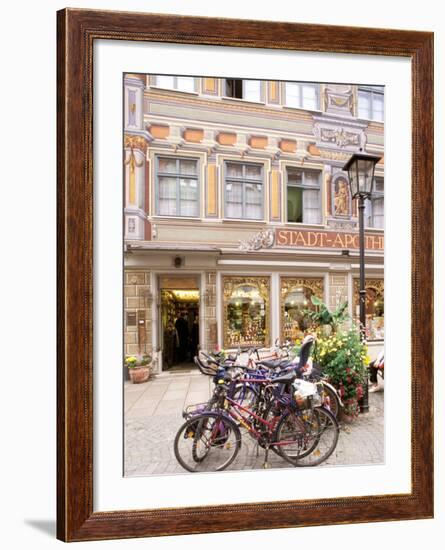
283 403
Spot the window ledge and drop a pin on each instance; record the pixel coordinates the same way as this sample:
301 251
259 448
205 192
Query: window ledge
159 217
375 229
374 120
242 100
305 225
242 220
162 89
302 109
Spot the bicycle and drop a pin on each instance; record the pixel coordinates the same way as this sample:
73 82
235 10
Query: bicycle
303 434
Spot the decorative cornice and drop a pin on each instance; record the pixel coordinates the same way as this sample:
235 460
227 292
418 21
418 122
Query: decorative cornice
216 104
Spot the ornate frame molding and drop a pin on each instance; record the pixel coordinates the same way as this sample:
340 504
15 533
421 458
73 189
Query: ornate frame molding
77 31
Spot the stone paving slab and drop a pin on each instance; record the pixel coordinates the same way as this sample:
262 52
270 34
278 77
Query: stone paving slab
154 414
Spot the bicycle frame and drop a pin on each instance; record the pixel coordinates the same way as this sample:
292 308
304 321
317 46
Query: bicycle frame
249 426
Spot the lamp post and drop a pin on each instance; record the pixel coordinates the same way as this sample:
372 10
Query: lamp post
360 168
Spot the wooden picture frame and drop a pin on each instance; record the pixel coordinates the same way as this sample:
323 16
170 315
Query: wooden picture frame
77 31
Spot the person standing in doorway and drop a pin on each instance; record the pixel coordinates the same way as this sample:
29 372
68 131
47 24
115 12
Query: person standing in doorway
195 337
182 329
171 344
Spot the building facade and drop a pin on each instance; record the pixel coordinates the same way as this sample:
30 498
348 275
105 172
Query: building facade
237 210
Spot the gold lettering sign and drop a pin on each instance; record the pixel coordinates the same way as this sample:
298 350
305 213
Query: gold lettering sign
294 238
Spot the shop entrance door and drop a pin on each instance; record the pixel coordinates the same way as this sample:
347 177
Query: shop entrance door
179 321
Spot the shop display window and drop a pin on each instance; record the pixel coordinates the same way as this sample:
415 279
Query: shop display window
374 308
246 311
296 296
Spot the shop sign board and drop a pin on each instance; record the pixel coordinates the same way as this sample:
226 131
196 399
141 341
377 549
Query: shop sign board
296 238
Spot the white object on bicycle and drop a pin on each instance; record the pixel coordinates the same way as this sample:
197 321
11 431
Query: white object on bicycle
303 388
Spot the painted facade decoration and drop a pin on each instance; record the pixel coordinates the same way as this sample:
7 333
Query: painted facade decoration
341 197
230 183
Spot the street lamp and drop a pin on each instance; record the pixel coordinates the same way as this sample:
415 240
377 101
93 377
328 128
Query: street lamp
360 168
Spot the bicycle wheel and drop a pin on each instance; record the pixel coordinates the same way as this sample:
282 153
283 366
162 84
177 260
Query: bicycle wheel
307 438
199 452
207 443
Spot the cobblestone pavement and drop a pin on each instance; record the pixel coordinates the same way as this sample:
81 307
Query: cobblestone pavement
153 416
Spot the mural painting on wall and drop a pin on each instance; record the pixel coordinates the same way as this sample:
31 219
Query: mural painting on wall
341 198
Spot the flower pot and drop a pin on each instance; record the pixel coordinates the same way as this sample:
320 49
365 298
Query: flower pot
350 411
139 374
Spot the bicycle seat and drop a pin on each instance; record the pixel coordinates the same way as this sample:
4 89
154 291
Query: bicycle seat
305 350
287 363
284 379
270 363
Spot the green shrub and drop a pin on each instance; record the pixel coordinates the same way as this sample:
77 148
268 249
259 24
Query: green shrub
342 357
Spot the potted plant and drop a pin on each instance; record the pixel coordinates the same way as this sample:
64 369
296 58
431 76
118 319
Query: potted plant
327 320
138 368
343 358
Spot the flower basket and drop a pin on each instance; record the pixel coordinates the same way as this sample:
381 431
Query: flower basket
138 368
138 375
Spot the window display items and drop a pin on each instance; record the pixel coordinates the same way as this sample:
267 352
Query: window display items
296 300
374 308
246 311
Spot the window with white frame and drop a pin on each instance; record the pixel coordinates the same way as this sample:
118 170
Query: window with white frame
181 83
243 89
303 196
374 207
370 102
303 95
177 187
243 191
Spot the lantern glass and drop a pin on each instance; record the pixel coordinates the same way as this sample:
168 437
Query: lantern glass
360 169
365 176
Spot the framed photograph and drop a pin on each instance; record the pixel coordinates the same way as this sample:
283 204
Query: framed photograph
234 199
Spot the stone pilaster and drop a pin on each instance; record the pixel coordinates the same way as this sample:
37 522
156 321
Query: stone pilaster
212 191
138 298
338 289
211 327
